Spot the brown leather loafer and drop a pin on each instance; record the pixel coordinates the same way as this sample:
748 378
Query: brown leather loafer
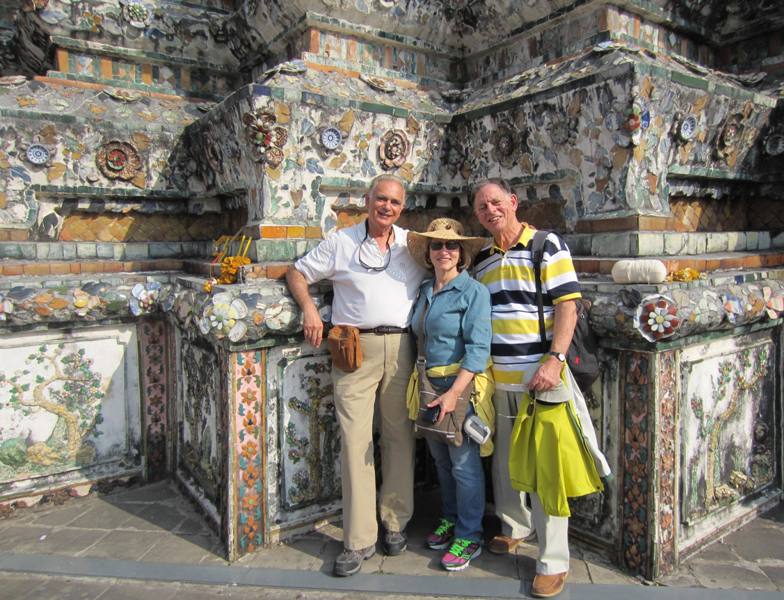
503 544
547 586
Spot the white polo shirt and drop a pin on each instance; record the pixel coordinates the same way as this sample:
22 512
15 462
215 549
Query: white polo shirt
365 298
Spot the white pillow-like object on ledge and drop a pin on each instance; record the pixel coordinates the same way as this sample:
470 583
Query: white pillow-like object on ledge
639 270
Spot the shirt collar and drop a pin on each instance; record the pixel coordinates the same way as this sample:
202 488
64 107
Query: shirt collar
525 237
459 283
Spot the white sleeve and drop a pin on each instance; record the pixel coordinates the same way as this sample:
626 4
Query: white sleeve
319 263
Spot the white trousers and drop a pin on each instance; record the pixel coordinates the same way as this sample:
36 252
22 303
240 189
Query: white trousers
516 520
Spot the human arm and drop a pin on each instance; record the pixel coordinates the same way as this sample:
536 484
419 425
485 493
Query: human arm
448 400
559 281
312 325
548 375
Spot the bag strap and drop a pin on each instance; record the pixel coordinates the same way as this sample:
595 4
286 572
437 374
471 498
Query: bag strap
421 333
537 256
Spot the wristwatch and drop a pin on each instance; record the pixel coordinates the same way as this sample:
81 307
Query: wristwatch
559 355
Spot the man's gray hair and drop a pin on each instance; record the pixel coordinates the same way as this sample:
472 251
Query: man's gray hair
386 177
497 181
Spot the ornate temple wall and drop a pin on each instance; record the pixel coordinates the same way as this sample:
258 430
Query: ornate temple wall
135 133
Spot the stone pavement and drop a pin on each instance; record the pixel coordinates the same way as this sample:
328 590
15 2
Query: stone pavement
136 542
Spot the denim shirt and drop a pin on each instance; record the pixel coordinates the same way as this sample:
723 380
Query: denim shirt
457 325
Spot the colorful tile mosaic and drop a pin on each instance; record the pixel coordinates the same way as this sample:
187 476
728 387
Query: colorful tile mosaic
156 395
726 443
636 462
665 467
249 449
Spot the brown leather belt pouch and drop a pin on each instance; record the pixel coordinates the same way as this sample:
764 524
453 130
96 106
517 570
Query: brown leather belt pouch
343 342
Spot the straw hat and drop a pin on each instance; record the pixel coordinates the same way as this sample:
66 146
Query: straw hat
443 229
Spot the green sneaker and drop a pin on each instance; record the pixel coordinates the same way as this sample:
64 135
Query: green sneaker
460 554
442 536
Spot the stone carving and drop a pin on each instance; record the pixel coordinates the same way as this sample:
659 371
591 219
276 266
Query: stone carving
505 145
393 149
267 139
729 136
563 129
118 160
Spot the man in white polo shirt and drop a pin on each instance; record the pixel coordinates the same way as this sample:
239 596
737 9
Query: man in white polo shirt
375 282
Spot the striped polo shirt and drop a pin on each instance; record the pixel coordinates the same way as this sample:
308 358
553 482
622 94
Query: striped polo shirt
517 346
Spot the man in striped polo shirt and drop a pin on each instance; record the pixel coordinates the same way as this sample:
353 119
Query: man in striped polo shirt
521 363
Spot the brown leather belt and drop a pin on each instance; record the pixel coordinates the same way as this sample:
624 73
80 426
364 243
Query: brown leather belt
384 329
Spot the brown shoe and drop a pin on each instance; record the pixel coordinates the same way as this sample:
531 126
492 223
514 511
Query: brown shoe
503 544
547 586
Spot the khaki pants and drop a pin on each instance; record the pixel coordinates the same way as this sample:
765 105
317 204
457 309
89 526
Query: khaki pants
510 506
516 520
386 366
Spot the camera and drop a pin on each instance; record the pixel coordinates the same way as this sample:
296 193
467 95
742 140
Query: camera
475 428
430 415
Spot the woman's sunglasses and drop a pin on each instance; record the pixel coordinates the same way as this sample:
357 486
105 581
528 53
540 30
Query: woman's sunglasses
436 246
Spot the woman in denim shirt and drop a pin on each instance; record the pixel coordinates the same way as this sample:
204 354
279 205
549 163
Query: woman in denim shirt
457 349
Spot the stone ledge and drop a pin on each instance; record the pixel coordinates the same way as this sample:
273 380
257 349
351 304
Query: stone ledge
703 262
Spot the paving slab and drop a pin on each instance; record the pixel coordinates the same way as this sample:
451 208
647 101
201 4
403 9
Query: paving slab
161 516
578 571
730 576
66 541
305 554
61 515
682 578
16 586
775 575
602 572
132 545
63 588
190 549
721 551
154 492
417 560
21 537
746 541
136 590
104 515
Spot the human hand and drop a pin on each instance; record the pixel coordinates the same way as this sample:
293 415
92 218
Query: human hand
312 327
447 402
547 376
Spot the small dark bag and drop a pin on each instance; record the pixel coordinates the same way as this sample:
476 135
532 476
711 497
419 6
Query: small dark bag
450 429
581 356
